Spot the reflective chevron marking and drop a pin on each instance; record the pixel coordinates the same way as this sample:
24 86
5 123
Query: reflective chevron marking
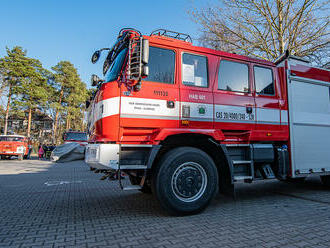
144 108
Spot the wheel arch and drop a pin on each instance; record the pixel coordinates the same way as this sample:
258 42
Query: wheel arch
206 143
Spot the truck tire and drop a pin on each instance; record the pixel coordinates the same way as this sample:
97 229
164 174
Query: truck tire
185 181
325 180
136 181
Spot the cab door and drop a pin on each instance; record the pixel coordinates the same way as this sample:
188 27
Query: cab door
197 75
156 104
268 112
234 100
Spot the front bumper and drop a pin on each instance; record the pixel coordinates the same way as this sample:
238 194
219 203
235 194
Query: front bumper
11 153
102 156
125 156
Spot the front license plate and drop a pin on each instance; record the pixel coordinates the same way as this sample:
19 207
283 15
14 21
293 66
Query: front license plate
92 152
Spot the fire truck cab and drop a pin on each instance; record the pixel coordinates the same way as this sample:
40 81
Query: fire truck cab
185 121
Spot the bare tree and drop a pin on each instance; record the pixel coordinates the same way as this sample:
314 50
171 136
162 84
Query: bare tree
267 28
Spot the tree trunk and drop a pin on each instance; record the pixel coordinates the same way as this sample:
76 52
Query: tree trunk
59 138
56 117
29 123
67 122
7 111
280 27
82 124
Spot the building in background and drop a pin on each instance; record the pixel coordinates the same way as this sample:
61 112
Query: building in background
41 126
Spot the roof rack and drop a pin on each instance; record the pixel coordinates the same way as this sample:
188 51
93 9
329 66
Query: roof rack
172 34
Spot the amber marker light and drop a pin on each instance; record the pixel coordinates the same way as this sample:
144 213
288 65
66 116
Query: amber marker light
269 134
185 122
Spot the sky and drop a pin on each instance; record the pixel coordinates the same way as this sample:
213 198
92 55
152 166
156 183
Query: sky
72 30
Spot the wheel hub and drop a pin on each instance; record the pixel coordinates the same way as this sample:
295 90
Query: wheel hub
189 181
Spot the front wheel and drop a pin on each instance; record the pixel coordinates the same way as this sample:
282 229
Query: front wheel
185 181
325 180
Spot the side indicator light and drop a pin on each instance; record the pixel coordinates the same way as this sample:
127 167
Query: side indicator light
269 134
185 122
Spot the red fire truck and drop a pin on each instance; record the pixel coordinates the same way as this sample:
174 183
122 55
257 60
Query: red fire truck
14 146
185 121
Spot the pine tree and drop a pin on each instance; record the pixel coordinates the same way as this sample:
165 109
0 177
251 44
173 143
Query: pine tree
23 78
70 94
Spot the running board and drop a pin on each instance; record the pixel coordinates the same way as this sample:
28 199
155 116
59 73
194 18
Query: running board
132 187
248 162
133 167
243 178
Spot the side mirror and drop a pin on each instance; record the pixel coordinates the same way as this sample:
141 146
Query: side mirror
96 56
95 80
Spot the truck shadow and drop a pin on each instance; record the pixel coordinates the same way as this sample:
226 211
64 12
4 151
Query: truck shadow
309 190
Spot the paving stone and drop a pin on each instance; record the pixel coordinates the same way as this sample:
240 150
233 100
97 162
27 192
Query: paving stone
87 212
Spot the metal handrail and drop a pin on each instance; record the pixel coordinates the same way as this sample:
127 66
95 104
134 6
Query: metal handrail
172 34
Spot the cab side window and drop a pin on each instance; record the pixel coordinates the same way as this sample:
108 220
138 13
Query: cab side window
161 65
194 70
233 76
264 80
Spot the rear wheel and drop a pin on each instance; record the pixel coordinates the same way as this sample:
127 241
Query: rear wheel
325 180
185 181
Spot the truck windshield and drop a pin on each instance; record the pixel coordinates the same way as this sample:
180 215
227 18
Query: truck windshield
115 67
75 136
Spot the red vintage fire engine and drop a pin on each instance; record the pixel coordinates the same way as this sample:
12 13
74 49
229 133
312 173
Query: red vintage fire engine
14 146
185 121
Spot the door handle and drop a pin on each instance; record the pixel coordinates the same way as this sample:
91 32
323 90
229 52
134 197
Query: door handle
249 109
170 104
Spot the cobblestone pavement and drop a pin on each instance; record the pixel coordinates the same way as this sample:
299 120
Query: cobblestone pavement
57 205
